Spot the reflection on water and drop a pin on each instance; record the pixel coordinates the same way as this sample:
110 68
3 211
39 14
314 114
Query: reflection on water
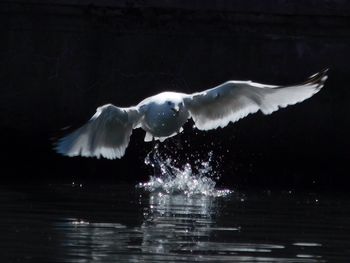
174 228
171 224
124 224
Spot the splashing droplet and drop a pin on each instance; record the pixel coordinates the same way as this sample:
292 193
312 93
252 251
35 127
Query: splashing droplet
188 180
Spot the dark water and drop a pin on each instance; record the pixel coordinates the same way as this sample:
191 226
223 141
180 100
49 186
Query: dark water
69 223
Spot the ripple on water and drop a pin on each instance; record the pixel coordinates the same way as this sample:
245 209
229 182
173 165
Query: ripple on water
118 224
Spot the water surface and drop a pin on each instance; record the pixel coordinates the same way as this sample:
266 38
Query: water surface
122 223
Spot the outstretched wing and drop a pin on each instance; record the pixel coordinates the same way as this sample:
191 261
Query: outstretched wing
234 100
107 134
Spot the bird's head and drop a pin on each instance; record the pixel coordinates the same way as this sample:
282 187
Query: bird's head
175 107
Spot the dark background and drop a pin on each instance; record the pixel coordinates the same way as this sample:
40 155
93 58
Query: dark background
62 59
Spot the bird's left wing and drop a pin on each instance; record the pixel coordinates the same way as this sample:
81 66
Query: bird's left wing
234 100
106 134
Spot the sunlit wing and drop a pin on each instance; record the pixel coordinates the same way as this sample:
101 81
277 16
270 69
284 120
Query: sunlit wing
107 134
234 100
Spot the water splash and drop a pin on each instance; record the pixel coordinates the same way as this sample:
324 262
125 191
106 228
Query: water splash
168 177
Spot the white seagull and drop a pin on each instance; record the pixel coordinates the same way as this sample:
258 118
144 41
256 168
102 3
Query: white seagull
108 132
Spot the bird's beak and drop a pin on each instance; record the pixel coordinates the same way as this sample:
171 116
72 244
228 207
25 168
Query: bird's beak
176 109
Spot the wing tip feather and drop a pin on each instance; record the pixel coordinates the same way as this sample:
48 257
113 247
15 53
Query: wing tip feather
318 79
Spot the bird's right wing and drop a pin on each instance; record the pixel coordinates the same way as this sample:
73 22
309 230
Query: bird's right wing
234 100
107 134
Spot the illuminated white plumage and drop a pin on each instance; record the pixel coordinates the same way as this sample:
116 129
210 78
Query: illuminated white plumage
108 132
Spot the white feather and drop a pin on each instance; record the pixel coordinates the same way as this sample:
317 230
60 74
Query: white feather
107 134
234 100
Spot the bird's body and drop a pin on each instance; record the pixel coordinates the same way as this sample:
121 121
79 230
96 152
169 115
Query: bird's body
161 116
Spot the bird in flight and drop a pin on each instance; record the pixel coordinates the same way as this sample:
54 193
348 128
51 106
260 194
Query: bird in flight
107 133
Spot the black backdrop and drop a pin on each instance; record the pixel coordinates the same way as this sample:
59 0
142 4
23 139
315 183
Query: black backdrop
62 59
